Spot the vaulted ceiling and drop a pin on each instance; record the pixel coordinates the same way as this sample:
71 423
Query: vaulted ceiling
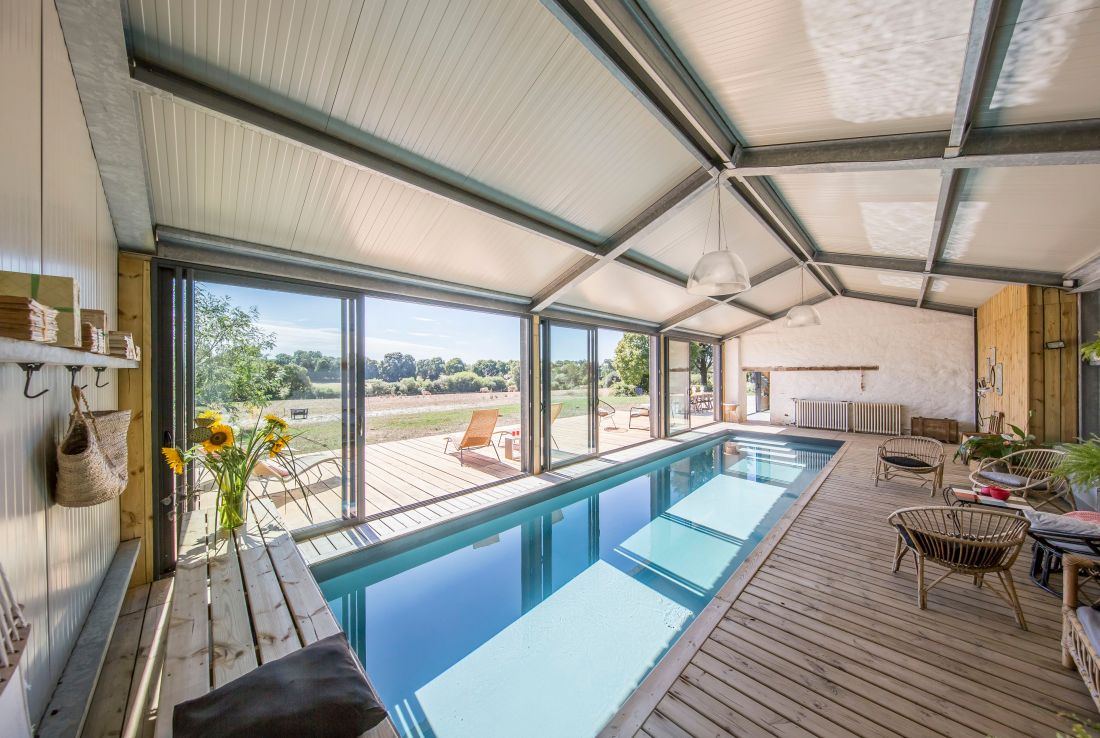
578 154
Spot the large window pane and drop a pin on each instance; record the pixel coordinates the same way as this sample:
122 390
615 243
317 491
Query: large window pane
702 403
569 407
679 386
624 411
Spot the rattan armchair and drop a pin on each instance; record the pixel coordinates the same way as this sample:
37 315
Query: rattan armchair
964 541
1024 473
911 457
1078 622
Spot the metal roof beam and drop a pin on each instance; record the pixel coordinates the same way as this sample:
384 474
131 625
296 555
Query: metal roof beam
983 21
1035 144
946 207
651 218
942 269
625 40
909 302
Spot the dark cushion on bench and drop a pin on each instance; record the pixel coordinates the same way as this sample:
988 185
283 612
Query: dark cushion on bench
316 692
1014 481
906 461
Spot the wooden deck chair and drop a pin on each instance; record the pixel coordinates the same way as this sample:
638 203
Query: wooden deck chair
555 411
479 434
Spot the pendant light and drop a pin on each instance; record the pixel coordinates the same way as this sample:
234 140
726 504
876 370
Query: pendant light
720 272
802 314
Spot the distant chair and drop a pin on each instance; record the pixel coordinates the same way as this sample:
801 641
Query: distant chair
964 541
303 477
995 423
555 411
1024 473
911 457
606 410
479 434
638 411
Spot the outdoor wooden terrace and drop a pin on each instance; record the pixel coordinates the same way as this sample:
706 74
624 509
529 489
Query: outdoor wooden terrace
823 640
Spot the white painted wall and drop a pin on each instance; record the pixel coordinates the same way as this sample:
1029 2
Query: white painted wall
926 359
54 220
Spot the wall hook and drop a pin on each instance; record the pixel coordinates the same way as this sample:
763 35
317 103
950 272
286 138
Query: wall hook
30 369
99 375
73 370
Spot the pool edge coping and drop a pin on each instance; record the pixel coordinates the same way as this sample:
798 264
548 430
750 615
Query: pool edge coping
632 714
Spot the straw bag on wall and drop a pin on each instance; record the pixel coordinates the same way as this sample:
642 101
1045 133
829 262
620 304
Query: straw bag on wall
92 463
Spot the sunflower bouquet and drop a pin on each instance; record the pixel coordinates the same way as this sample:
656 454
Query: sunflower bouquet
230 458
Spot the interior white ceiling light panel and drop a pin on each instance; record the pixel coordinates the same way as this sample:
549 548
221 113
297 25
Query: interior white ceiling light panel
964 292
719 320
781 293
876 213
808 70
620 290
1046 53
680 241
890 284
495 93
221 178
1043 218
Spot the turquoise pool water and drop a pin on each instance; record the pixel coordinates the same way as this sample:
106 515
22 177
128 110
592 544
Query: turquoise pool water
541 622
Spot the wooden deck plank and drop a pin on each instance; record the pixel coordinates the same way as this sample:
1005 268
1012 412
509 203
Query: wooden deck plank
825 638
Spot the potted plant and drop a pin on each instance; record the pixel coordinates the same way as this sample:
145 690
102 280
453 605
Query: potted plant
1081 468
977 448
1090 352
231 456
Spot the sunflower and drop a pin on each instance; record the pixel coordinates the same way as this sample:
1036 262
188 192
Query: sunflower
221 436
208 418
278 444
174 459
276 421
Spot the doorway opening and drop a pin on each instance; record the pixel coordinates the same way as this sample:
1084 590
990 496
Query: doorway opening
758 396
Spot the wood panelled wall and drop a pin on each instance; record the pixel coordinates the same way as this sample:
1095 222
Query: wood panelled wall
53 220
1040 384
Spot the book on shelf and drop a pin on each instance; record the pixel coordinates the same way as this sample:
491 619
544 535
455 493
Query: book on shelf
26 319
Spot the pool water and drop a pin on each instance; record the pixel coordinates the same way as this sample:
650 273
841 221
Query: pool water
540 623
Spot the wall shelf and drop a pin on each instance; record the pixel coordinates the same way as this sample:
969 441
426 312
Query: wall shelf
14 351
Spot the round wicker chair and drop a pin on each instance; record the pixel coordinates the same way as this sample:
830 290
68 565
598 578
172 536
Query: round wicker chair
965 541
1025 473
911 457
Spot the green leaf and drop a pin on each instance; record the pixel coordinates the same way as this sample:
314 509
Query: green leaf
200 434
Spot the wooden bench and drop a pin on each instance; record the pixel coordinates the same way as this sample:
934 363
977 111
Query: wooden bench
239 600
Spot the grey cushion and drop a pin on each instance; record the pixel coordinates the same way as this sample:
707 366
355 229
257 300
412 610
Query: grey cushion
1006 479
1055 523
1090 623
315 692
906 461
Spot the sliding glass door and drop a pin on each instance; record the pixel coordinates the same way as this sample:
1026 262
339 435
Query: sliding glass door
678 396
569 392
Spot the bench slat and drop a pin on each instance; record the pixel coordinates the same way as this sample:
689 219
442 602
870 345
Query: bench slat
186 658
145 683
275 632
107 711
234 650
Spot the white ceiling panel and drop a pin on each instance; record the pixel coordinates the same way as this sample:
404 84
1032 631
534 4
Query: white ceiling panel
496 92
782 292
806 70
221 178
1047 53
719 320
965 292
879 213
1027 217
680 241
621 290
891 284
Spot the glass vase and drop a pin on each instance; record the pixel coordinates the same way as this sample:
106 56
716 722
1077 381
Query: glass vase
232 504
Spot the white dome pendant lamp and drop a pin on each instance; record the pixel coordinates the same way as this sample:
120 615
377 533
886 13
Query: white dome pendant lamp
802 314
720 272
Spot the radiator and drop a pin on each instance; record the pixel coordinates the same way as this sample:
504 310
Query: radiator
876 417
824 414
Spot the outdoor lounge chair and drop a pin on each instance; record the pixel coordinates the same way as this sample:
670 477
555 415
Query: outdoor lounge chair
963 541
911 457
1080 627
606 410
638 411
1024 473
1058 536
555 411
309 475
479 434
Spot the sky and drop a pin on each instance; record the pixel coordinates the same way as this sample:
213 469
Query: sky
311 323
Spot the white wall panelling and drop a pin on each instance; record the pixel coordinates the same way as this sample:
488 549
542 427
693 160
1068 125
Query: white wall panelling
53 219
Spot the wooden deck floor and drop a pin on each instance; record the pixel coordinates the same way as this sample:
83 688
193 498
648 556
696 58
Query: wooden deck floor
412 474
825 641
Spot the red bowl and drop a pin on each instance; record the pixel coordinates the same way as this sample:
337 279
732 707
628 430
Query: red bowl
996 493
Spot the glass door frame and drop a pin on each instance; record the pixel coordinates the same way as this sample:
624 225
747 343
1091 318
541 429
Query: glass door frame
172 299
545 347
666 398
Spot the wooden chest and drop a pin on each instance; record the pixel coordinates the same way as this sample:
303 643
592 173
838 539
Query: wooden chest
942 429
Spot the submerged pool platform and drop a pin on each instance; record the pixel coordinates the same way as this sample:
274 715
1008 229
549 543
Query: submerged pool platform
541 621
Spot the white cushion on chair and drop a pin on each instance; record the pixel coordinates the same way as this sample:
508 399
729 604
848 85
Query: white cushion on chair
1090 623
1008 479
1055 523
